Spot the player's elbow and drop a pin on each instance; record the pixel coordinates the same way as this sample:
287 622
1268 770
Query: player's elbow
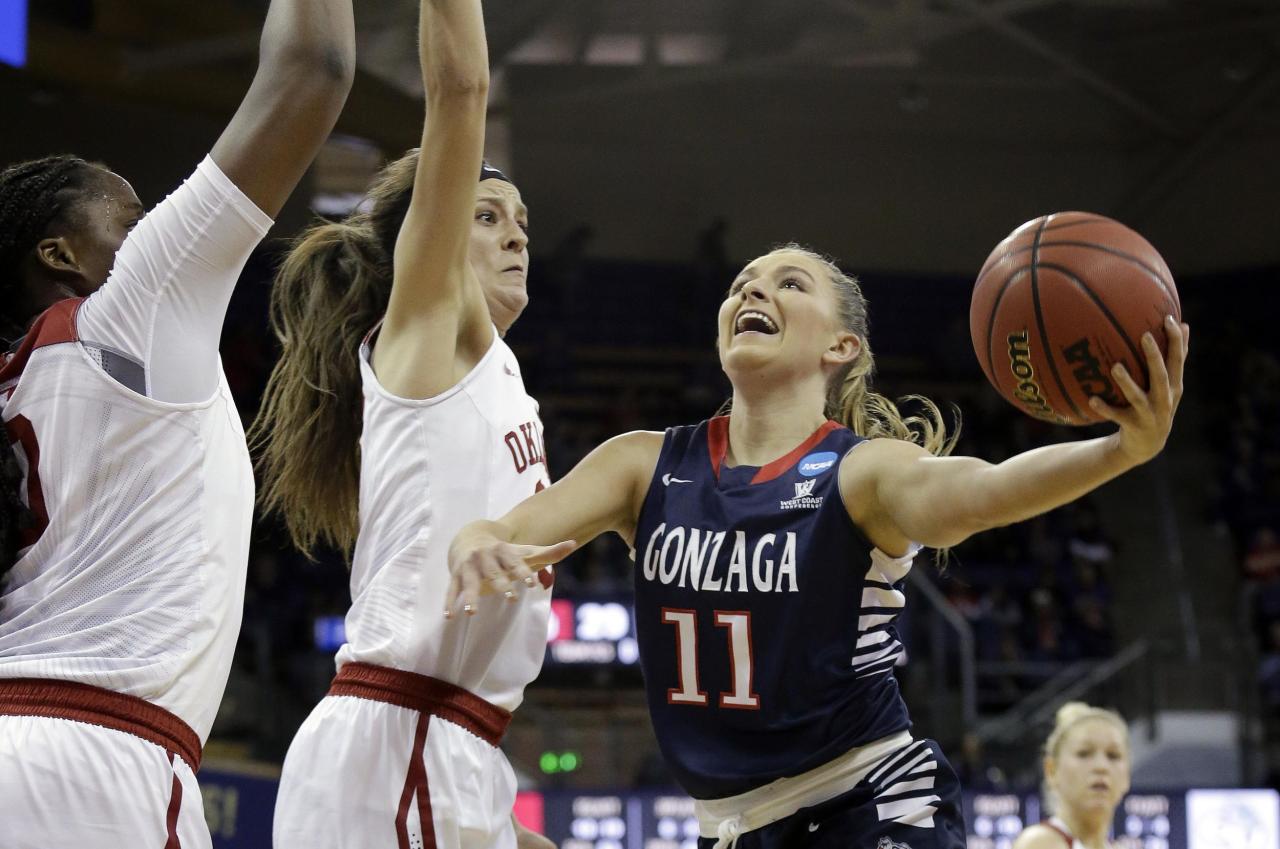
458 84
312 73
957 503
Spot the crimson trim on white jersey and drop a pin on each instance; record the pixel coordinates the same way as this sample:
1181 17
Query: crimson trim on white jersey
54 326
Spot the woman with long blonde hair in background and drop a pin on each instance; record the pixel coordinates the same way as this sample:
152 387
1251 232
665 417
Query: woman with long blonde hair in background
1086 774
772 547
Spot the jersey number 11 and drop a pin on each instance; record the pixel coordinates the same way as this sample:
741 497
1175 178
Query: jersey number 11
738 623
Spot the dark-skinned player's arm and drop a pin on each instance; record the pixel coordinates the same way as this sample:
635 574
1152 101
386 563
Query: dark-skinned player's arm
603 493
306 63
898 493
437 325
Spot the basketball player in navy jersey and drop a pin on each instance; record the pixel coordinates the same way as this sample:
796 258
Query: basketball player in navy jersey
771 548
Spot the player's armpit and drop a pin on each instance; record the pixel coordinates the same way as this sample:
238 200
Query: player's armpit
897 494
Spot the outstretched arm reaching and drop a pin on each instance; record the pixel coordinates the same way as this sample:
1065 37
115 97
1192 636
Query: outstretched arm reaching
603 493
898 493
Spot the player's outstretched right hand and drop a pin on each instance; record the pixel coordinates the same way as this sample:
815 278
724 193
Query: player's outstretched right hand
481 563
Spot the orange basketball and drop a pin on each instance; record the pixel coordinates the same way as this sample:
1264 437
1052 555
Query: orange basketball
1058 303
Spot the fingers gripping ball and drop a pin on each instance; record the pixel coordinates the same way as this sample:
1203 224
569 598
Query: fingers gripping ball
1058 303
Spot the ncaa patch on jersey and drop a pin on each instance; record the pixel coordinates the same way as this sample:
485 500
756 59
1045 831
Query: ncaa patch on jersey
816 464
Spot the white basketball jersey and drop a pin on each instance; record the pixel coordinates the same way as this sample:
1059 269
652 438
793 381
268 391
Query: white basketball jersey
1061 827
426 469
133 577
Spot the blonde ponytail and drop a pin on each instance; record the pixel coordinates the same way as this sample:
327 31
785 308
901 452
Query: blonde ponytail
850 399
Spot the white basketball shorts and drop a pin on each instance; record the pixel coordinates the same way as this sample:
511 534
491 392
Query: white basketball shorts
93 769
395 759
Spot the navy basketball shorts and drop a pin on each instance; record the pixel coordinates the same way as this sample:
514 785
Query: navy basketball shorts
881 812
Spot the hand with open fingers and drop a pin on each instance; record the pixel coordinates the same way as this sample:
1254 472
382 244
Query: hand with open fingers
1146 422
489 565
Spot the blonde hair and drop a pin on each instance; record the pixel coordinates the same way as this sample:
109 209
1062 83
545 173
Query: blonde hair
850 399
1069 716
331 290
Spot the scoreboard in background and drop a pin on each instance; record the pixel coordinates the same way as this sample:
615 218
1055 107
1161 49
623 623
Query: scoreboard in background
1143 821
1195 819
637 820
592 631
238 804
581 632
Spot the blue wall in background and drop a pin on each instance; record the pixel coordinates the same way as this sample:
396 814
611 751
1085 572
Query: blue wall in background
13 32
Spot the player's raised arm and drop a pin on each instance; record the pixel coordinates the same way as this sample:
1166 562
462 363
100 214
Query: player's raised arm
306 65
899 494
437 325
603 493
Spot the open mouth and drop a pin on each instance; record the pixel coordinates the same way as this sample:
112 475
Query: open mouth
754 321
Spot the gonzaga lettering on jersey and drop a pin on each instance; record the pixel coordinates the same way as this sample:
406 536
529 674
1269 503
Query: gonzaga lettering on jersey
765 618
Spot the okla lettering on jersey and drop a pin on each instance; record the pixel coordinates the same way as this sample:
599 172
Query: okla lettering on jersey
700 560
526 446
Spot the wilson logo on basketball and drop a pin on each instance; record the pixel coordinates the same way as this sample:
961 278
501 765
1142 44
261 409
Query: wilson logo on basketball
1028 391
1090 376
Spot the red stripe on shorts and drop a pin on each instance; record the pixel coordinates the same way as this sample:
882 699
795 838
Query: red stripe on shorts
415 784
175 805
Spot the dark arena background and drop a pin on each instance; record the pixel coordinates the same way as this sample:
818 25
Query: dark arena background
661 144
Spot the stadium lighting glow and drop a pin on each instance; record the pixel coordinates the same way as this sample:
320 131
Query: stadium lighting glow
13 32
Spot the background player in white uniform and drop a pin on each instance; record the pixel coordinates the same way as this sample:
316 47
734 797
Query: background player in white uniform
403 751
1086 775
792 339
127 487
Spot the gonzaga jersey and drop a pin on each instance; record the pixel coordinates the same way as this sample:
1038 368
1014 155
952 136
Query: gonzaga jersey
132 578
765 618
426 469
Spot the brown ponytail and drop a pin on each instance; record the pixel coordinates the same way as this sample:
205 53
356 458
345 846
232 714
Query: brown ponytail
331 290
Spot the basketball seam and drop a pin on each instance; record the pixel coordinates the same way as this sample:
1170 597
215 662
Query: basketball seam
991 319
1044 228
1137 357
1044 333
1168 291
1074 222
